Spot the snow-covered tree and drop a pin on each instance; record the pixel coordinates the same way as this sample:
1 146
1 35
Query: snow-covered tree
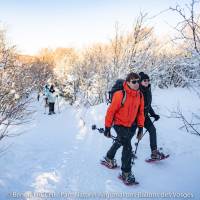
14 99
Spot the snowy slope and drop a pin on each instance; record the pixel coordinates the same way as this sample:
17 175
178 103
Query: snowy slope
60 154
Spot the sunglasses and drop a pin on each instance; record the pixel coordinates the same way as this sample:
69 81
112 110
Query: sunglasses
146 80
135 81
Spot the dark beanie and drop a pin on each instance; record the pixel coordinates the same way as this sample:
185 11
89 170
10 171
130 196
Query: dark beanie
143 76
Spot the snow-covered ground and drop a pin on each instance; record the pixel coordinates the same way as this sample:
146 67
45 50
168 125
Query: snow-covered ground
58 156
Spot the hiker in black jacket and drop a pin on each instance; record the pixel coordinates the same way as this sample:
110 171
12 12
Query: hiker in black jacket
145 88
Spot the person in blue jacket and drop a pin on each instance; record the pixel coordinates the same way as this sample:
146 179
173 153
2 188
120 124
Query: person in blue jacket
45 94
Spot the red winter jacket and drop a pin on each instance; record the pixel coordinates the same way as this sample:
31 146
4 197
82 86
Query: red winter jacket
132 109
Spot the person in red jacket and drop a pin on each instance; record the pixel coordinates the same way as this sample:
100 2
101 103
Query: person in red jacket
122 118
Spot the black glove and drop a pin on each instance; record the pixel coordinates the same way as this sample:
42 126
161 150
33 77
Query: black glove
107 132
156 117
101 130
140 133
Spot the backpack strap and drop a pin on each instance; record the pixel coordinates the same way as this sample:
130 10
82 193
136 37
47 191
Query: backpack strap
124 97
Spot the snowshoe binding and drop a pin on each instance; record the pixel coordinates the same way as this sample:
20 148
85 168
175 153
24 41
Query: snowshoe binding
109 163
128 178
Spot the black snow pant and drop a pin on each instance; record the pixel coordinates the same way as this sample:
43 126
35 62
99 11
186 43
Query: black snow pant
152 135
124 136
148 124
51 107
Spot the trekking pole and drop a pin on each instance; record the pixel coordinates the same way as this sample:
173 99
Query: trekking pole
136 146
101 130
137 143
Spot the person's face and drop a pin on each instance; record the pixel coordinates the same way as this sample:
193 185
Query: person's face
145 82
134 84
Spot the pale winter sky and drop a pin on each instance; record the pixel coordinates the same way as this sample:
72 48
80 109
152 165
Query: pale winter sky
35 24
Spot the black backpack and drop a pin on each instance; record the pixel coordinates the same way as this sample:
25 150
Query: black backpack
117 87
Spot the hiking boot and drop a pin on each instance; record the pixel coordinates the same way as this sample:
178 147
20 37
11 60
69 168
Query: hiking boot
157 155
111 163
128 177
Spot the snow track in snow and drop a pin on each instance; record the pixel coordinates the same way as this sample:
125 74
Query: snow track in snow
60 153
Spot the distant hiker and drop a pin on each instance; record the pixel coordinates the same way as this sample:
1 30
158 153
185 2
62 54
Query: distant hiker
46 93
145 88
123 117
51 99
